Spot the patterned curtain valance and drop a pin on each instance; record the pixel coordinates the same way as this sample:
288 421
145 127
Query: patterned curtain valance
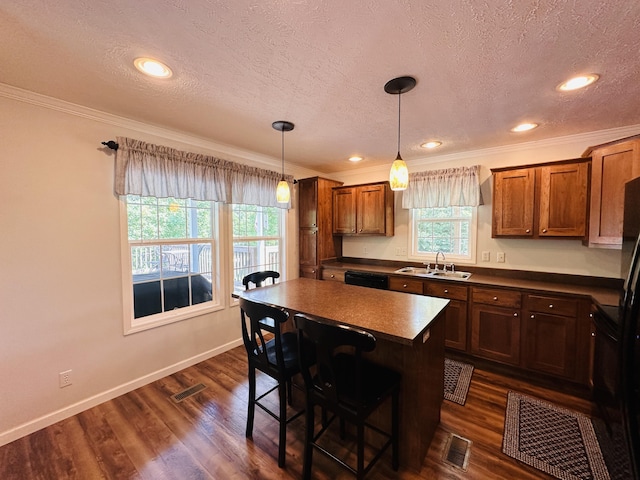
458 187
158 171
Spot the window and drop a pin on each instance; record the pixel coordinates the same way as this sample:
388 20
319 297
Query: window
257 241
450 230
171 252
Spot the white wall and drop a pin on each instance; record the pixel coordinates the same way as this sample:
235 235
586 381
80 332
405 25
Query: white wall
60 267
544 255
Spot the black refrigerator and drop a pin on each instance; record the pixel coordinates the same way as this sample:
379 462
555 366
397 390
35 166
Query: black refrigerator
629 326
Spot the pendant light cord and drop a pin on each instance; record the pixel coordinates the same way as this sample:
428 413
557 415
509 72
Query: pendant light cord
399 95
283 154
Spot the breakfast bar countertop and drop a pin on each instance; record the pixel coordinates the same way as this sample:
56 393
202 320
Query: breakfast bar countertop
395 316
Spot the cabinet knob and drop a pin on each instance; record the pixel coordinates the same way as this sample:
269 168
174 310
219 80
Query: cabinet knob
404 286
593 334
360 229
533 316
515 314
527 231
313 271
544 230
495 299
353 230
551 305
446 290
333 276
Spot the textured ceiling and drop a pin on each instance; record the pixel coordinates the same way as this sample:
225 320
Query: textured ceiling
481 67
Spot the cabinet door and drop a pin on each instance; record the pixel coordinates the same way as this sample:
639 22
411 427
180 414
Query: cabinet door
456 325
344 210
495 333
563 200
513 202
308 246
611 168
308 203
310 272
371 210
550 344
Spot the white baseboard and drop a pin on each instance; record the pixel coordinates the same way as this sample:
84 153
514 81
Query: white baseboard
71 410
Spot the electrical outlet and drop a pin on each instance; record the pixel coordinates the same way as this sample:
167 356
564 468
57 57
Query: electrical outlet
401 251
65 378
500 257
486 256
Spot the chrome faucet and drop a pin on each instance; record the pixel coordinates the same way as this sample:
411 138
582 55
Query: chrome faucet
443 259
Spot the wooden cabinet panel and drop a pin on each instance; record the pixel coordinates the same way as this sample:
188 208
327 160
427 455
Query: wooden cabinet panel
363 210
550 343
612 165
316 240
497 296
308 203
495 333
344 210
547 200
403 284
308 254
456 325
446 290
556 336
563 200
513 202
370 210
567 307
333 274
310 272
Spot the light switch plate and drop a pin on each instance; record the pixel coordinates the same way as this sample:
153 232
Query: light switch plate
486 256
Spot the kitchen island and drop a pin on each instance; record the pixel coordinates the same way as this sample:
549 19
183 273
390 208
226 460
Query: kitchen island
410 339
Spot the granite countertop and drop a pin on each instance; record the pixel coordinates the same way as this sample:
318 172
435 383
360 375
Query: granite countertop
396 316
603 295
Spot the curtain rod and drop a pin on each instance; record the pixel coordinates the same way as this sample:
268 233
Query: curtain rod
111 144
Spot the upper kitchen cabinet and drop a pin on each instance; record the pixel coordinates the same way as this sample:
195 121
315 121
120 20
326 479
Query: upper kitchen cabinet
612 165
546 200
317 242
363 210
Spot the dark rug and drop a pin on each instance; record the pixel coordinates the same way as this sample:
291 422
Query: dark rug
457 378
552 439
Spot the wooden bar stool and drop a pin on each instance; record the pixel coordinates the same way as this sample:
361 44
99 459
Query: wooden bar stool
349 387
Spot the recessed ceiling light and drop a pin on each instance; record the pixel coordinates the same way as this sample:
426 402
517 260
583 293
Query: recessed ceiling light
355 158
577 82
152 67
432 144
523 127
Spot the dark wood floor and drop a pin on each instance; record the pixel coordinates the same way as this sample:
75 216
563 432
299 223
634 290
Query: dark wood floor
145 435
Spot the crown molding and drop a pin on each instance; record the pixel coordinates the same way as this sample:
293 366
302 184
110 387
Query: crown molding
39 100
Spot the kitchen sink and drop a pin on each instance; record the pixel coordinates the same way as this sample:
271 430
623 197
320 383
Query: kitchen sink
423 272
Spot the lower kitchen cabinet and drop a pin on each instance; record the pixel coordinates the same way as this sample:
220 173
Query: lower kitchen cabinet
555 337
310 272
495 324
456 312
333 274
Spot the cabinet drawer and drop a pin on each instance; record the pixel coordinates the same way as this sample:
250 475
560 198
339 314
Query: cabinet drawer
445 290
333 274
565 307
406 285
492 296
309 272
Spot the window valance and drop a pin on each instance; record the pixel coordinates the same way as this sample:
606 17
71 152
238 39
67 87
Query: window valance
158 171
458 187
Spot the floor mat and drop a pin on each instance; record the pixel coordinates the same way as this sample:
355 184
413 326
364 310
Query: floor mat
457 378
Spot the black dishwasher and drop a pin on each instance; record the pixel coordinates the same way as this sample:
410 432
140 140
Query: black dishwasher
367 279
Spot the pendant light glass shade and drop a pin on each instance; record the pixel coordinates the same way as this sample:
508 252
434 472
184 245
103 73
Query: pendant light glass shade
283 194
399 173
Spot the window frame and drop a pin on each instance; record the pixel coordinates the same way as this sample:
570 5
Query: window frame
449 258
281 237
133 325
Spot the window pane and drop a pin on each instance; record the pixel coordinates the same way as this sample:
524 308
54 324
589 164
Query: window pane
172 221
146 299
145 259
446 230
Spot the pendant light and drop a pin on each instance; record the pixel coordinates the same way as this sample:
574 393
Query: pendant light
399 174
282 191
